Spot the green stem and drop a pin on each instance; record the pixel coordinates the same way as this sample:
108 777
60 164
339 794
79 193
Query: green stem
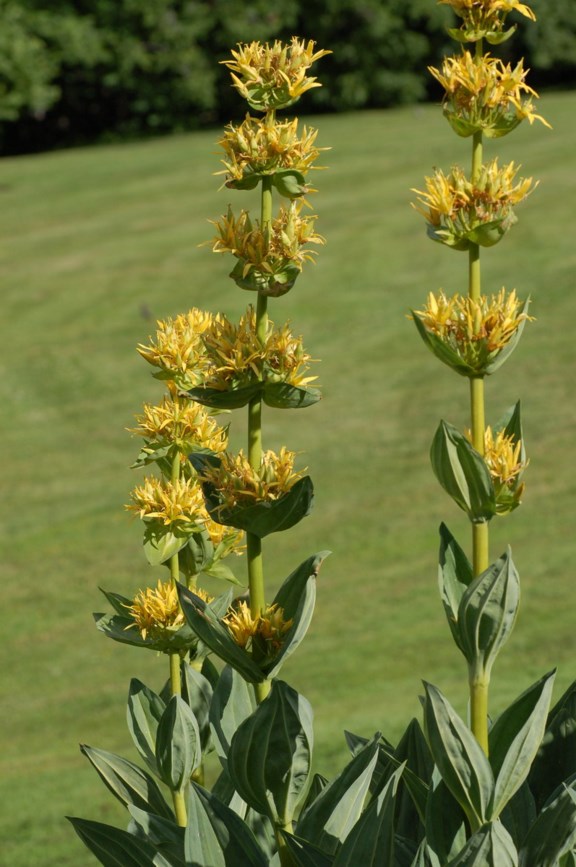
286 859
178 797
479 708
254 543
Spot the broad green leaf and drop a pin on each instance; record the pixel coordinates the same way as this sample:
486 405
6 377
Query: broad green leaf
128 782
166 836
233 702
371 840
267 517
490 846
206 624
329 819
445 824
463 473
269 758
116 848
415 783
290 183
556 759
236 841
202 846
487 613
454 576
281 395
177 744
425 857
161 543
296 597
553 834
232 399
119 603
459 757
519 814
514 740
306 854
197 693
144 711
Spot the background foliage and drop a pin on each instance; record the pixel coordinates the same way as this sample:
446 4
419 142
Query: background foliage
73 72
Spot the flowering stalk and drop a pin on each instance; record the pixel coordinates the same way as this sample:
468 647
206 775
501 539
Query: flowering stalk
483 97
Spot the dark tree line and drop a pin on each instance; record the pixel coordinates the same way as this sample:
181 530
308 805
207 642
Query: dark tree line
74 71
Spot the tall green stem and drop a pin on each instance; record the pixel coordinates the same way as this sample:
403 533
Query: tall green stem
480 536
254 543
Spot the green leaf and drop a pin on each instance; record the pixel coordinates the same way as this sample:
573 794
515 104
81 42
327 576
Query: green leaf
177 744
487 613
269 758
454 576
553 834
556 759
161 543
237 843
144 712
233 702
207 626
128 782
296 597
445 825
519 814
119 603
290 183
514 740
121 629
305 854
116 848
459 757
231 399
266 517
490 846
415 783
197 693
331 817
371 840
511 425
281 395
165 835
222 572
463 473
425 857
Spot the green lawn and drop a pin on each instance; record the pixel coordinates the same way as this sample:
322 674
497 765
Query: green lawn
97 241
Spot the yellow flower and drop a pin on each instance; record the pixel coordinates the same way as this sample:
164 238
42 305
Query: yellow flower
484 94
238 357
486 17
180 422
504 458
156 611
238 484
266 629
273 76
256 147
477 331
174 504
178 350
460 211
268 261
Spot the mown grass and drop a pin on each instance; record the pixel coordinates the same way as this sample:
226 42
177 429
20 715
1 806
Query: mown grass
98 243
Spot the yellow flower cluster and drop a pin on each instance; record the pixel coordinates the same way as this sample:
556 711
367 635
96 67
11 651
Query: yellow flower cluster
273 76
178 503
156 611
484 94
267 628
180 422
237 356
267 253
462 322
178 350
456 207
481 17
239 484
255 147
503 457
